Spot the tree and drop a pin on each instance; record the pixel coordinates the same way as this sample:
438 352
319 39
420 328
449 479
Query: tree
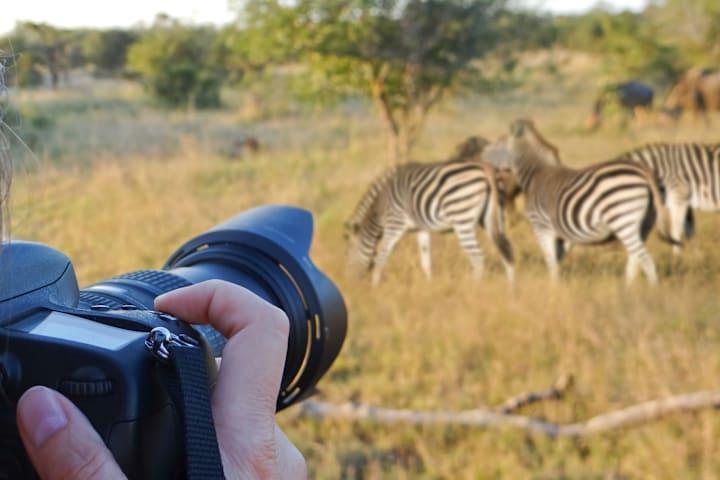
39 48
630 45
23 64
53 45
174 62
403 54
694 25
106 50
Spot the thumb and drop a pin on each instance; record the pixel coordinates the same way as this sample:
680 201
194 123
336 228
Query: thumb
59 439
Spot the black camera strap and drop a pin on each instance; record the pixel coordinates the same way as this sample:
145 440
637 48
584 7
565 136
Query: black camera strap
186 379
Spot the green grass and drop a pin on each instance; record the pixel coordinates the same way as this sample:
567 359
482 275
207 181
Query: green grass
126 185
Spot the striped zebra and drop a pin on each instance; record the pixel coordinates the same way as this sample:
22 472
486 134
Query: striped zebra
427 197
496 154
618 199
690 173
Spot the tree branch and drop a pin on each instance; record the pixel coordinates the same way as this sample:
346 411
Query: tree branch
556 392
377 90
485 418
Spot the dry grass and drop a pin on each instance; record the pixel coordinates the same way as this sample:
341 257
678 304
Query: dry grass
452 343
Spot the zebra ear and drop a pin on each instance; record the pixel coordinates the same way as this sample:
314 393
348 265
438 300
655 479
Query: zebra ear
351 227
517 128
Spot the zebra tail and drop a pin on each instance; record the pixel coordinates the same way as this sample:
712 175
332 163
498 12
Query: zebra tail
689 224
663 214
494 219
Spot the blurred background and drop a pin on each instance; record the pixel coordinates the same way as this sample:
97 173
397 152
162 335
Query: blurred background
137 125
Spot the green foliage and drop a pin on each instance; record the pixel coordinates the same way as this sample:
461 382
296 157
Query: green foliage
24 60
48 47
631 45
106 50
174 62
26 70
30 123
403 54
692 25
523 30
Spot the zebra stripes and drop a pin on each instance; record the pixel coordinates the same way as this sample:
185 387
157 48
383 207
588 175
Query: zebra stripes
611 200
426 198
690 173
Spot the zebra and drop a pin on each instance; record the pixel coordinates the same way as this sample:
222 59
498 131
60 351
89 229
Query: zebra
690 174
495 153
617 199
427 197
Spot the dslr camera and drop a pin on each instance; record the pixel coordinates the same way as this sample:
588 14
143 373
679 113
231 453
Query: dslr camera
103 346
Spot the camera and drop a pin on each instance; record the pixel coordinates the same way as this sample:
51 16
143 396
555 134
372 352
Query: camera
92 344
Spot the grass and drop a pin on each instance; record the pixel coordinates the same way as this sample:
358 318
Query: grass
120 186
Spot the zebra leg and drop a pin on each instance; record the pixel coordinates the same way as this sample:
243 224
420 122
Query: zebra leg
638 255
469 243
549 246
506 256
678 209
425 256
387 243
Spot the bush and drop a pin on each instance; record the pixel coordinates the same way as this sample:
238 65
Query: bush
27 71
174 63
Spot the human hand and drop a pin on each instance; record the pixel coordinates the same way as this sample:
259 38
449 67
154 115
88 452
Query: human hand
61 442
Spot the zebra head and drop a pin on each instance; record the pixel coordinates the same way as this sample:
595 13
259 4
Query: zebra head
525 142
471 150
362 237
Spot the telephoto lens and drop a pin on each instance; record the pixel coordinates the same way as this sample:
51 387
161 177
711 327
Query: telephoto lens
265 250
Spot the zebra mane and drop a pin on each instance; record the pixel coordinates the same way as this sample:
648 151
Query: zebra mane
534 143
367 203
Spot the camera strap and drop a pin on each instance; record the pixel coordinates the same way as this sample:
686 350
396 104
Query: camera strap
186 378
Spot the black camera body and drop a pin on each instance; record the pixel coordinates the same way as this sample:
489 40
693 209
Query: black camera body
90 344
95 356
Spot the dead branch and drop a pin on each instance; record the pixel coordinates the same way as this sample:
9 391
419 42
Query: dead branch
619 419
555 392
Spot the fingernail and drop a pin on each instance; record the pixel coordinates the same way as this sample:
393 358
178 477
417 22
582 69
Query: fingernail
41 414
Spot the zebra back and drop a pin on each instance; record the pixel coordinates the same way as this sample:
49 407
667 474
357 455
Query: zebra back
689 170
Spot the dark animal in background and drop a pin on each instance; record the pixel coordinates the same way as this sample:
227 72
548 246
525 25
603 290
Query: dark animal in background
245 147
698 91
633 97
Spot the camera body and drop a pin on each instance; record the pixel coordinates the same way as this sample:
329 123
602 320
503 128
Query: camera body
93 355
90 344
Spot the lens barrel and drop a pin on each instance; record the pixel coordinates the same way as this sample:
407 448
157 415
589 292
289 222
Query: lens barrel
265 250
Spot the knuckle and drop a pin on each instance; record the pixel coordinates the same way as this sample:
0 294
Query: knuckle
278 320
216 283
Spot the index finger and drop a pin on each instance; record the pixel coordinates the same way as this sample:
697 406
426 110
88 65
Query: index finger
254 356
228 307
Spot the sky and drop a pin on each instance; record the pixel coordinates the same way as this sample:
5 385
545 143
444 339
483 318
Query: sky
104 14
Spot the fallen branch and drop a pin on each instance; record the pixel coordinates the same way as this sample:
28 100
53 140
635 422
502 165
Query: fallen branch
555 392
627 417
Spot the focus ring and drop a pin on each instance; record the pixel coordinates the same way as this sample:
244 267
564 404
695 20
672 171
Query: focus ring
160 280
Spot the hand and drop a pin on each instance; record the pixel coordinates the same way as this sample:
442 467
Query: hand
61 442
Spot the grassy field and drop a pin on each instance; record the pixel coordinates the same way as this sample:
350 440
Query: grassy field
119 186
